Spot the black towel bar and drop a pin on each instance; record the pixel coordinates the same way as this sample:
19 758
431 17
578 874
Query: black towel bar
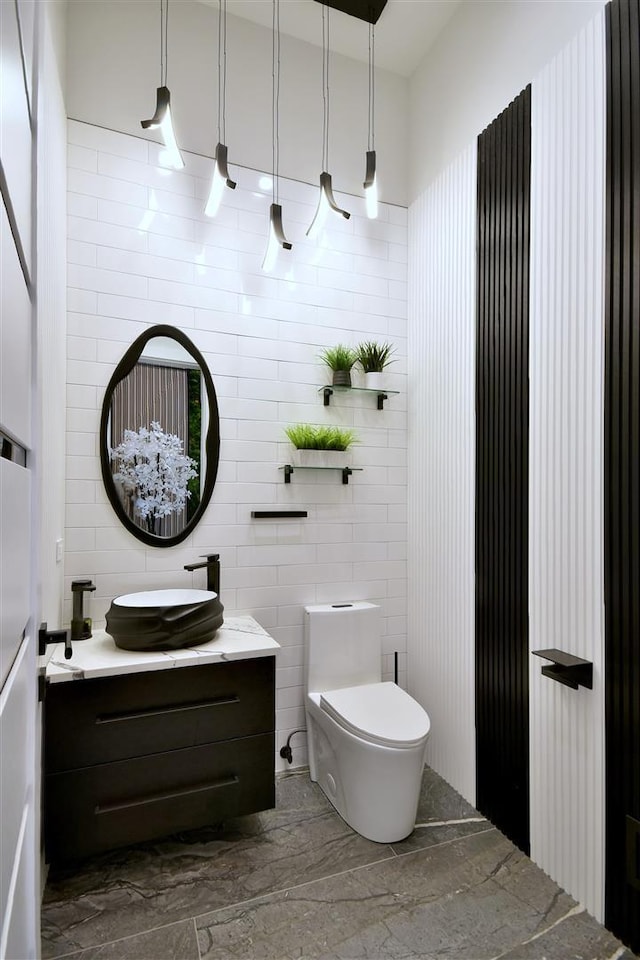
277 514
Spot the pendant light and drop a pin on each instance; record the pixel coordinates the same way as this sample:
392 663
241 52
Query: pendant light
277 238
326 200
370 182
162 117
220 178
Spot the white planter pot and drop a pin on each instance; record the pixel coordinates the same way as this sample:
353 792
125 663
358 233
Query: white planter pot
374 381
320 458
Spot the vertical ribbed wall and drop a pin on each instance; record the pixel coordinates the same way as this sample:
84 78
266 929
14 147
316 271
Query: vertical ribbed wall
441 467
502 463
566 462
622 473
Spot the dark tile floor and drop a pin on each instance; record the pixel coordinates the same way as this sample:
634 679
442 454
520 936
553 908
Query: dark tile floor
297 882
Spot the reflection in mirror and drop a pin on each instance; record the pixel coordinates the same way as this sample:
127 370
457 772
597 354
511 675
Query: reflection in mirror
159 437
157 418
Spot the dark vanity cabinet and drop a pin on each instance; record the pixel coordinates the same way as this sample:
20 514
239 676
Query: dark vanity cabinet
134 757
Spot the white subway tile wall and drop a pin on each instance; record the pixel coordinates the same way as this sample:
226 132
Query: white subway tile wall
141 252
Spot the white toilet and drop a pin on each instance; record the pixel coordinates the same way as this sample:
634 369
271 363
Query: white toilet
366 739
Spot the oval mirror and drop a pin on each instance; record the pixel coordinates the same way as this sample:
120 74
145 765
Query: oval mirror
160 437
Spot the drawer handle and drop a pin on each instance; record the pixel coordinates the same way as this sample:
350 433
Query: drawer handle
168 795
159 712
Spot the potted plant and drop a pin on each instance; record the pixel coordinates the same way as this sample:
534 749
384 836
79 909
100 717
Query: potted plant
319 446
373 357
340 359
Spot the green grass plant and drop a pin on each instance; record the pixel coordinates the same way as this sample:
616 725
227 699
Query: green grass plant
340 357
373 357
308 436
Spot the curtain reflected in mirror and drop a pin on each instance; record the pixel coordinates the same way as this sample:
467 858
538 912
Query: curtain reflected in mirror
159 451
166 403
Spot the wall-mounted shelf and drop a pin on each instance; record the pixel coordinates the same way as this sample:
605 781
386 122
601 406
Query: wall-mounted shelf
571 671
345 471
382 395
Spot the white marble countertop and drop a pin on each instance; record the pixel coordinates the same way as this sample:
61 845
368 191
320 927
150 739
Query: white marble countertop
239 638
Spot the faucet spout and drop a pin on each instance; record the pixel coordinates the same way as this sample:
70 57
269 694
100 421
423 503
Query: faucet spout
212 563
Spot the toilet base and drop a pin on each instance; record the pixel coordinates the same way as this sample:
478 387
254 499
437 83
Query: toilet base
374 788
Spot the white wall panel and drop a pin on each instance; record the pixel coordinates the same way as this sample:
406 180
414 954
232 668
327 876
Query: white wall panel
15 576
27 24
18 931
15 340
566 596
15 130
16 771
441 348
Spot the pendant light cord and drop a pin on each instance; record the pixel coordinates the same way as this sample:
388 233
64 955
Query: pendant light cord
164 29
275 99
371 138
222 70
325 87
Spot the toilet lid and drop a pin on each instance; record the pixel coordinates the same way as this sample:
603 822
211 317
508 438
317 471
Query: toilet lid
378 712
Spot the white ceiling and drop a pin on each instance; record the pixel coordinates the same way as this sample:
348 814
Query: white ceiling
404 32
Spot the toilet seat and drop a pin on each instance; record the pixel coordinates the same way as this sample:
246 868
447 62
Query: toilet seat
379 713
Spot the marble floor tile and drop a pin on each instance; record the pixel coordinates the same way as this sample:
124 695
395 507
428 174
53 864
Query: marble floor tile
178 941
574 937
439 801
454 900
297 882
129 891
429 835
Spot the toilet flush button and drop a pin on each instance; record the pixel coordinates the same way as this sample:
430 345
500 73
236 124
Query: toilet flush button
331 784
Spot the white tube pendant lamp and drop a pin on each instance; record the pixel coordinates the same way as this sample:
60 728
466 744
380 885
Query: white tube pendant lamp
219 181
370 180
220 177
277 239
326 201
162 119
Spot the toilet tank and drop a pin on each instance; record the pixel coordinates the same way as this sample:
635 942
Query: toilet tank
343 645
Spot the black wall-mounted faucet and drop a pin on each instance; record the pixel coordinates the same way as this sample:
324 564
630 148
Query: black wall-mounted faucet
80 625
212 563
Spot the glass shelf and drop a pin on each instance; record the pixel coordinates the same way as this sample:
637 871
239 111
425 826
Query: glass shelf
345 471
382 395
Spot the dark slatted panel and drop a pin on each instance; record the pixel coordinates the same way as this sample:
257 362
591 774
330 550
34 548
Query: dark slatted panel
502 419
622 473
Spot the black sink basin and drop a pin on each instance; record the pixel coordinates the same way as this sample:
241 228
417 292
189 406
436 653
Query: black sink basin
164 619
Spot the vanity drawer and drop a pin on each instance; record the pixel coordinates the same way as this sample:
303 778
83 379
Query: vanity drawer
98 721
112 805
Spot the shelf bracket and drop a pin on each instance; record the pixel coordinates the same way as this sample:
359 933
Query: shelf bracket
569 670
345 473
381 399
327 394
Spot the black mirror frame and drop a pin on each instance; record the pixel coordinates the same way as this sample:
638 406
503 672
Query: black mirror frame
212 442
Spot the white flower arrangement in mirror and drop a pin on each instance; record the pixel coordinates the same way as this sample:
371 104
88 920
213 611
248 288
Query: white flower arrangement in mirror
153 467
